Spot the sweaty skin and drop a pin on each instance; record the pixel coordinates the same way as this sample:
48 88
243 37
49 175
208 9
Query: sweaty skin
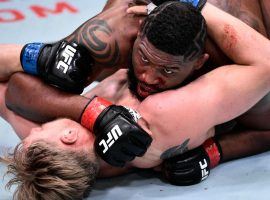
215 95
248 12
256 14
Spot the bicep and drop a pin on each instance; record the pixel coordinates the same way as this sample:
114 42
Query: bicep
214 98
20 125
182 107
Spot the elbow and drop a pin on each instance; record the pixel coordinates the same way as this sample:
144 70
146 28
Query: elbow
9 102
11 96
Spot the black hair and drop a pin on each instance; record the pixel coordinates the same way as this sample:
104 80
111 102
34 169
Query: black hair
176 28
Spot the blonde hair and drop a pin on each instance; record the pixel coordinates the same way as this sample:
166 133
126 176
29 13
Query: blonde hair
45 172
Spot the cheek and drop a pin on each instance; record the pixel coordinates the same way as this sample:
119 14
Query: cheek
181 77
138 70
137 67
86 137
162 81
173 81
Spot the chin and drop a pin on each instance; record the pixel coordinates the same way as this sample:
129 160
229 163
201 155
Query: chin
133 83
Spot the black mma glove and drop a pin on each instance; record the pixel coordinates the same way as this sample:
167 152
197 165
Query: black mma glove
118 137
193 166
62 64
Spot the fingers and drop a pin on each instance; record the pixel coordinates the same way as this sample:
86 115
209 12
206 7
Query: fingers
137 10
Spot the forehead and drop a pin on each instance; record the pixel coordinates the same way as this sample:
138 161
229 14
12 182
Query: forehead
157 56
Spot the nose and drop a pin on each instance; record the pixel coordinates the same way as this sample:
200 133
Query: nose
150 75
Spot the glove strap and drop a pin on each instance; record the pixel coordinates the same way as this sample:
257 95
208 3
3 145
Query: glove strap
199 4
150 7
214 151
29 57
92 110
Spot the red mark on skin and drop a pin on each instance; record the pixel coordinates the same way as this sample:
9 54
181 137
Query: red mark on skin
230 37
161 81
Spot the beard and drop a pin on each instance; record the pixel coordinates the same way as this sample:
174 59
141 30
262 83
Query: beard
132 81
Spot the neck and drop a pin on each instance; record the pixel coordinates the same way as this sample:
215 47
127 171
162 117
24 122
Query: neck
107 170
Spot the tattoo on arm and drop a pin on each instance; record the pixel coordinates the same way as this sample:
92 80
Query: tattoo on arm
97 36
174 151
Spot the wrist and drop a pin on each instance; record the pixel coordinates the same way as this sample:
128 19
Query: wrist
92 110
29 57
214 151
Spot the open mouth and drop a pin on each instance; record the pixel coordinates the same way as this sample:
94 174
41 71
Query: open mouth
145 90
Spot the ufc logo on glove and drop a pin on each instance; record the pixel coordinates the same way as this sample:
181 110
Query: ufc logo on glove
204 171
68 55
113 135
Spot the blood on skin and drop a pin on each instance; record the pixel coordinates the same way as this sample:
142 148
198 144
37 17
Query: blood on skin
230 37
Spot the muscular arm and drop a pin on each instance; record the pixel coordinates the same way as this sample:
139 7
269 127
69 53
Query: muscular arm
9 60
20 125
108 37
42 103
248 12
243 142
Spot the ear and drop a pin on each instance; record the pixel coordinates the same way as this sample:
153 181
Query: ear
200 62
69 136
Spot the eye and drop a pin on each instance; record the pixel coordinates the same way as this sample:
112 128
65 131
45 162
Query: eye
167 71
144 59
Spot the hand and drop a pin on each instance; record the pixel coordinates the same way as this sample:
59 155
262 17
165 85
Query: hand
111 3
193 166
146 10
118 137
138 10
62 64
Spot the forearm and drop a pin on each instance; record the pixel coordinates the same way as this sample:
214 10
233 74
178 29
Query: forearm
242 143
9 60
265 5
20 125
238 41
34 100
